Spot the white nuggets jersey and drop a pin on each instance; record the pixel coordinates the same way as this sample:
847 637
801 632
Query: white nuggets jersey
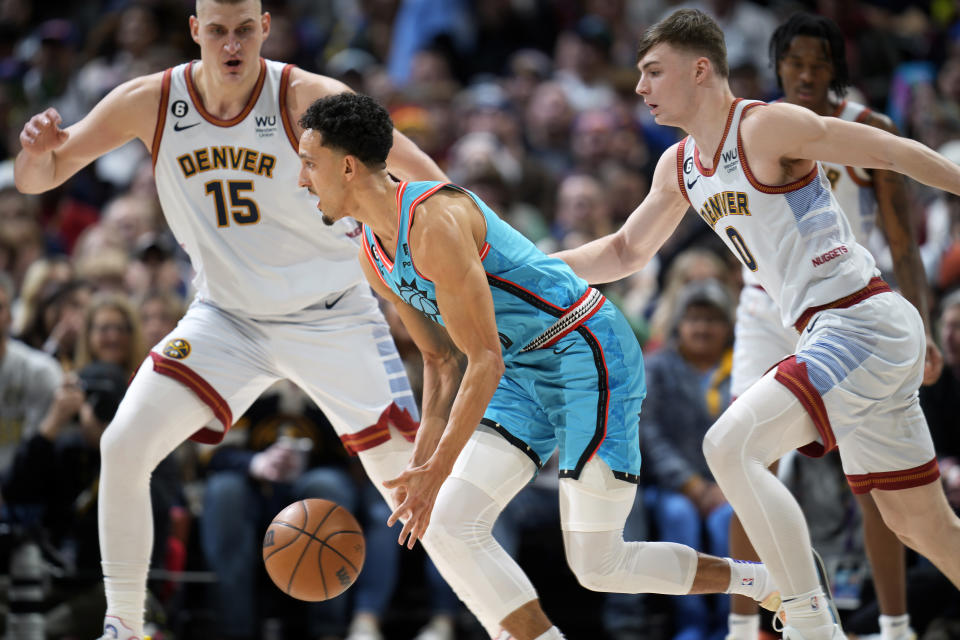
229 193
793 237
851 186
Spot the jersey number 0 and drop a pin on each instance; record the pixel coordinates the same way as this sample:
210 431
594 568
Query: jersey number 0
243 209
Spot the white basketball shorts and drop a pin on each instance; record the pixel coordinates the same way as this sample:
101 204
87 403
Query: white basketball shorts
760 340
857 371
340 352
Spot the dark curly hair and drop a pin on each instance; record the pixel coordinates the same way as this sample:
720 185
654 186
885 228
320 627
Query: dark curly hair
805 24
353 123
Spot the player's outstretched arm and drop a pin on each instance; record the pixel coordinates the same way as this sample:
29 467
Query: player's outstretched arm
786 131
50 155
405 160
630 248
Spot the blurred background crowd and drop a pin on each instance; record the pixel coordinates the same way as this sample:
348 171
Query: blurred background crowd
529 103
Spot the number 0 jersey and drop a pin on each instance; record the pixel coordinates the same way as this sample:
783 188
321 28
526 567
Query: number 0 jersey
229 193
794 238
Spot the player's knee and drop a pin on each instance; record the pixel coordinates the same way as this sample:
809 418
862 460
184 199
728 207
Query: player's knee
594 571
719 451
116 443
449 525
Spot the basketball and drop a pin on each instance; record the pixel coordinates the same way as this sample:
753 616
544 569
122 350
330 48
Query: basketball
314 550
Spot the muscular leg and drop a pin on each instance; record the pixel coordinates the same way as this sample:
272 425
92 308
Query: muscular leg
448 541
155 416
593 509
924 521
746 612
761 426
887 561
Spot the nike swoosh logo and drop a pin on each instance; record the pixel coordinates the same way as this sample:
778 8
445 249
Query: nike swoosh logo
810 326
329 305
690 184
177 127
559 351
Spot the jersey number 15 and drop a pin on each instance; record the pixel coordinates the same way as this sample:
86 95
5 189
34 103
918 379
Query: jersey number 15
243 209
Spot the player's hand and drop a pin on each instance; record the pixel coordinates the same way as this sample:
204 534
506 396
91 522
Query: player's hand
933 362
418 487
42 133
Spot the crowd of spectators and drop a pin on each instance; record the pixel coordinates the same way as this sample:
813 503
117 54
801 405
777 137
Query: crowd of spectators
530 104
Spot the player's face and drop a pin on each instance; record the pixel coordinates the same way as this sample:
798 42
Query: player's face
321 172
667 81
806 72
950 335
230 37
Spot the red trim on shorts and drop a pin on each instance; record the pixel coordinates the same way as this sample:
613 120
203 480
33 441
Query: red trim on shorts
212 119
723 140
792 374
875 286
379 432
891 480
580 322
683 188
161 116
193 381
284 116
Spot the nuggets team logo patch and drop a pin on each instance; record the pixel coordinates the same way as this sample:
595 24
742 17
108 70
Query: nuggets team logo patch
178 349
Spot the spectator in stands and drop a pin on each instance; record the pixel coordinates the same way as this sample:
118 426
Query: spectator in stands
111 333
28 380
688 387
56 325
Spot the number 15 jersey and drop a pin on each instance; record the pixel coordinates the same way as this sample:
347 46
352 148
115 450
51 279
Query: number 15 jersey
229 193
793 237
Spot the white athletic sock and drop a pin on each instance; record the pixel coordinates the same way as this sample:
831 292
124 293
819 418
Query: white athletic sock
124 586
749 579
895 627
743 627
809 613
550 634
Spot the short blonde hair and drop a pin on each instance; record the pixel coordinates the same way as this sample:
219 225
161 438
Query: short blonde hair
692 31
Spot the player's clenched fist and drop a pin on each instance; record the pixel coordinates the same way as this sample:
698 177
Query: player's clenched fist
42 132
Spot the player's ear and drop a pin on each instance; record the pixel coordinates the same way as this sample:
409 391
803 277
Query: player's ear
195 29
265 24
702 65
349 167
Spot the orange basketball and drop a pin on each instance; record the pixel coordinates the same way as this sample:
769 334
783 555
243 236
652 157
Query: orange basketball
314 550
